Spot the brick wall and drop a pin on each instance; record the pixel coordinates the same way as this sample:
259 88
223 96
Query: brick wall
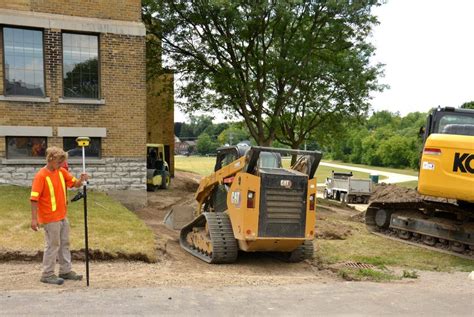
126 10
122 78
122 86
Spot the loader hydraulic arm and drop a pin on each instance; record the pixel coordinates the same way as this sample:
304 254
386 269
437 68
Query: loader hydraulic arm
219 177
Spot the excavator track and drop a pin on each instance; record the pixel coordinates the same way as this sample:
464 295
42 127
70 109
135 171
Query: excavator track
433 225
218 236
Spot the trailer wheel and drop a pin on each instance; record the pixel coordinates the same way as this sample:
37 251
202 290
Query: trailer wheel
347 198
325 194
342 197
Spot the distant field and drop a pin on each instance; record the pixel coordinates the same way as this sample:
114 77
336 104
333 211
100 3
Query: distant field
205 165
406 171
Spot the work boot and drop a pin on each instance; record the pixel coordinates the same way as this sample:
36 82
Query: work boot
71 276
53 279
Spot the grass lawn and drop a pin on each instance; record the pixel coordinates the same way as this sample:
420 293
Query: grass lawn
412 184
364 247
112 228
205 165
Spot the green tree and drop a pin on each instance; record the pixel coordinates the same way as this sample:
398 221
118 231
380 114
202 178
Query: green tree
205 144
269 61
468 105
233 135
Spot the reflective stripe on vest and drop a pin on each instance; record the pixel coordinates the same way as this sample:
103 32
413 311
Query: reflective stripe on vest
51 193
64 185
34 194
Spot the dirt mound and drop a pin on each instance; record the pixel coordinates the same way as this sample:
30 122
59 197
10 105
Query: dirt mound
186 181
393 193
329 230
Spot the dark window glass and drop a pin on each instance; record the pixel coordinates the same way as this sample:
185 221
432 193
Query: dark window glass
24 74
80 66
25 147
74 151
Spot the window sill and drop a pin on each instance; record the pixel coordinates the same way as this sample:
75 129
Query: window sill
82 101
25 99
31 161
42 161
77 161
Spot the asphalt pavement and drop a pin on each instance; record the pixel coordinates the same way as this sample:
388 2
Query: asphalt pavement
443 295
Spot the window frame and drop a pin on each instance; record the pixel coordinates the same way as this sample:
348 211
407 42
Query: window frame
99 157
99 68
4 91
7 156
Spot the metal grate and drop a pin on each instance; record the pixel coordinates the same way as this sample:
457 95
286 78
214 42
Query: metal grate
358 265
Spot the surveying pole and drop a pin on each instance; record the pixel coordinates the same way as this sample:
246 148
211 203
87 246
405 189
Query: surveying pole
83 142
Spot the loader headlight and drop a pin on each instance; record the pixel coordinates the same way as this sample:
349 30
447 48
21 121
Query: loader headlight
251 199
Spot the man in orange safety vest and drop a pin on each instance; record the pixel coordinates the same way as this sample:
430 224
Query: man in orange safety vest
49 208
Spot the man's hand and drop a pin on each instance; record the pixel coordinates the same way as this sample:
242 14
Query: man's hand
84 177
34 215
34 224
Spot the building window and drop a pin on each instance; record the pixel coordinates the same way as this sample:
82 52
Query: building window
20 147
24 66
80 66
74 151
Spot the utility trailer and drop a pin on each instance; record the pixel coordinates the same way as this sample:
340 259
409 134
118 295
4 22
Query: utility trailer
345 188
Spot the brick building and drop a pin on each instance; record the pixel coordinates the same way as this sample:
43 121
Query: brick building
74 68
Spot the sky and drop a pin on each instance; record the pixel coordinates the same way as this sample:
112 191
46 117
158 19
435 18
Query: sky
427 47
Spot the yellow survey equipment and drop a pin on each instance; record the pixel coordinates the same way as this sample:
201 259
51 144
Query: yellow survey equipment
83 141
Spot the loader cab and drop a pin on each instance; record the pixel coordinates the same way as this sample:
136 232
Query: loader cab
269 160
228 154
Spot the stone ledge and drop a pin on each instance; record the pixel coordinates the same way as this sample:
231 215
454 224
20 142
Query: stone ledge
40 161
89 161
72 23
25 99
80 101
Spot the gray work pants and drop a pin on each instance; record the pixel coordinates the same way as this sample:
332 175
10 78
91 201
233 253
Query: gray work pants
57 247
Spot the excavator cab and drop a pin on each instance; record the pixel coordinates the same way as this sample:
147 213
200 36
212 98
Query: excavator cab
251 203
447 161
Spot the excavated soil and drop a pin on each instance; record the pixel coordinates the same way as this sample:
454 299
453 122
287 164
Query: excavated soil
393 193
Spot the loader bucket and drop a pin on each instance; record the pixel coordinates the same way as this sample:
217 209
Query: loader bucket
178 217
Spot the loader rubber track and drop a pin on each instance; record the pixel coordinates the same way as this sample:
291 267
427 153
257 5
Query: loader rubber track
419 223
224 244
304 252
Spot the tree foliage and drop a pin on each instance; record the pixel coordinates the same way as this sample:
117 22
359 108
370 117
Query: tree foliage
287 68
205 144
234 134
384 139
468 105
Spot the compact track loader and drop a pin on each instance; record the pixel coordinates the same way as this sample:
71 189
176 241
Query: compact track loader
251 203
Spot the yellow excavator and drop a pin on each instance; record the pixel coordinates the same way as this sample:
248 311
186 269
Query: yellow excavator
251 203
442 216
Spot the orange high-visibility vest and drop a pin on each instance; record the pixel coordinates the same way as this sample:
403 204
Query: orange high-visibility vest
49 190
